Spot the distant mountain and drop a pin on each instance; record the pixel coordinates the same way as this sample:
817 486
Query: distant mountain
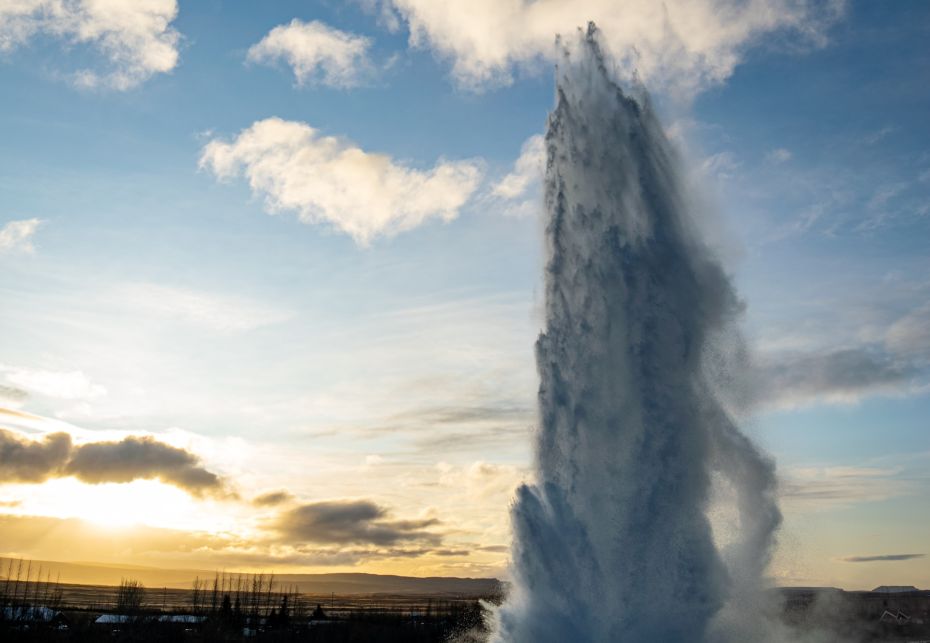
339 583
352 583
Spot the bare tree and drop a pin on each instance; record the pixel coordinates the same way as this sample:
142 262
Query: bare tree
129 597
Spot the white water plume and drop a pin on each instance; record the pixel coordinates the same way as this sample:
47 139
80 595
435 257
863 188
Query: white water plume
613 541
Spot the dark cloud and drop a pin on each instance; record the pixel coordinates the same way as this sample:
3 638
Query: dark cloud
133 457
350 522
25 460
53 456
845 375
272 498
883 557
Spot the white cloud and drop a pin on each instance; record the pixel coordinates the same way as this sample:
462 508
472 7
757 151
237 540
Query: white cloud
65 385
329 180
884 194
878 135
316 52
721 166
517 193
778 156
17 235
219 313
684 44
910 335
527 170
135 36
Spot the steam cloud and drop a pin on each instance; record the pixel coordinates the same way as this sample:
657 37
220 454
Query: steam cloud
613 542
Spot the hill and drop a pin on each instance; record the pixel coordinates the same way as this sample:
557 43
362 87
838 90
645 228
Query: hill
91 573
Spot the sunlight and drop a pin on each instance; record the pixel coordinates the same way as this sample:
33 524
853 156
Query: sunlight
141 502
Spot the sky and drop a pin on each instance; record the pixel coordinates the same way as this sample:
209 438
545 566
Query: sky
270 273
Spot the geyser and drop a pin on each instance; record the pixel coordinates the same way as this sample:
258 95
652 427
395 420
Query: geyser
613 542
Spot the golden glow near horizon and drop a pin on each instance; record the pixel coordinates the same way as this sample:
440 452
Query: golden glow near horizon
140 502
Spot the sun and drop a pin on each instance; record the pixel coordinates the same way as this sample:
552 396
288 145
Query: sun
117 505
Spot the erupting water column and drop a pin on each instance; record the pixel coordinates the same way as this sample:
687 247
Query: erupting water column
613 542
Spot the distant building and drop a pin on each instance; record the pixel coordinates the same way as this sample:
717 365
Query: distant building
894 617
112 619
186 619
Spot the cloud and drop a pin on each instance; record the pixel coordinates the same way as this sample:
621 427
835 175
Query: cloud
874 137
527 170
883 557
910 335
818 488
350 522
842 376
220 313
517 189
25 460
134 36
328 180
721 166
12 395
683 44
132 458
778 156
272 498
316 52
17 235
65 385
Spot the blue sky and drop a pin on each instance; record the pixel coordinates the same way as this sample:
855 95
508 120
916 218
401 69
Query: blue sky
160 294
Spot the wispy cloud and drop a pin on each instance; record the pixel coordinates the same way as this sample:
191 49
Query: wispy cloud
880 558
273 498
819 488
516 189
317 53
12 395
910 335
778 156
329 180
722 166
842 376
874 137
136 38
17 235
65 385
218 312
